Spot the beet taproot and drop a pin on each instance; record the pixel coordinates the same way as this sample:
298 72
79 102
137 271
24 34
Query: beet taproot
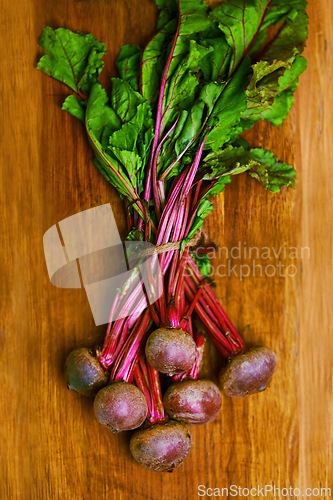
193 401
120 406
84 373
161 447
248 372
171 351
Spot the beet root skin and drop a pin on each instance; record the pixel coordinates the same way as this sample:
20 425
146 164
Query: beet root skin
171 351
194 402
161 447
84 373
249 372
120 406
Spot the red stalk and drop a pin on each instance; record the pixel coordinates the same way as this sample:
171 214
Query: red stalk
187 316
200 342
193 373
211 297
141 382
148 381
213 329
158 123
129 354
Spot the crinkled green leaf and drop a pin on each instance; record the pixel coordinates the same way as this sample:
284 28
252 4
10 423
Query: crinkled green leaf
240 21
101 121
279 11
177 34
227 161
289 78
129 135
124 99
168 12
128 64
259 163
265 81
191 127
75 107
72 58
124 131
227 110
275 75
245 23
135 136
272 174
292 35
181 88
101 118
130 160
216 64
219 185
272 96
153 61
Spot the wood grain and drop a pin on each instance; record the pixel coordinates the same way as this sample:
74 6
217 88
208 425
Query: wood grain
51 446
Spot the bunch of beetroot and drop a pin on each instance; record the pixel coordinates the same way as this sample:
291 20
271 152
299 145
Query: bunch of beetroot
124 375
168 137
163 440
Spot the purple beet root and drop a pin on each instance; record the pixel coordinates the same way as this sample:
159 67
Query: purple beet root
84 373
193 401
249 372
120 407
171 351
161 447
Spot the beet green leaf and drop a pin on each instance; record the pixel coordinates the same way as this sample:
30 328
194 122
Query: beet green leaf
72 58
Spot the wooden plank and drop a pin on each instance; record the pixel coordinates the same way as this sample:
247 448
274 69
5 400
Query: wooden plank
314 152
51 446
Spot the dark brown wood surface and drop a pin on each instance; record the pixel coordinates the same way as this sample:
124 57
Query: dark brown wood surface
51 446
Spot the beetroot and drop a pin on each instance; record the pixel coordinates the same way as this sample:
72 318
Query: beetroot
120 407
193 401
84 373
171 350
249 372
161 447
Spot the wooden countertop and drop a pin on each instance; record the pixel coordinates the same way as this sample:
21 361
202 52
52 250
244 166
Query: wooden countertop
51 446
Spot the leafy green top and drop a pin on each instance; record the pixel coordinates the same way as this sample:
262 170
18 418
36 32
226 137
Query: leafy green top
205 77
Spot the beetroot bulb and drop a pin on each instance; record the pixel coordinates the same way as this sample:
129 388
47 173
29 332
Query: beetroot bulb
163 444
170 350
194 402
161 447
191 400
249 372
121 406
84 373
